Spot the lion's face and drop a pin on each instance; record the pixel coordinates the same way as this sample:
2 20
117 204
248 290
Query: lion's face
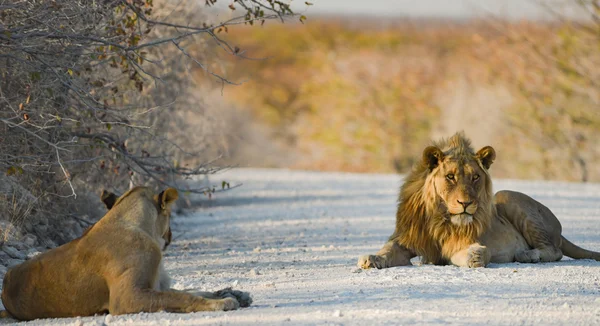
460 182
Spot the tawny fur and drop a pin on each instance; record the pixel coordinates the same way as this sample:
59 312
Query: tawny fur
447 214
115 267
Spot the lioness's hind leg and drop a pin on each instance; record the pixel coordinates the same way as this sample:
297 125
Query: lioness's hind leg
391 255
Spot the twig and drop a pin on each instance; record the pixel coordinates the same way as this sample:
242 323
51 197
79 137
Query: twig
67 176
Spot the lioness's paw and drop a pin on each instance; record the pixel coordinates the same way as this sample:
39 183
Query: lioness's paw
476 256
370 261
229 304
243 298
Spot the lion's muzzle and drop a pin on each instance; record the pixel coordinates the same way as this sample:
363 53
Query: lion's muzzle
462 215
463 219
463 207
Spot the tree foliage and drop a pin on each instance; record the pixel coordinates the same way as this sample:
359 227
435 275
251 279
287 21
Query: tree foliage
90 91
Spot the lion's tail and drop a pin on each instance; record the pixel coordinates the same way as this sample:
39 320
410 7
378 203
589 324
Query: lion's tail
576 252
5 314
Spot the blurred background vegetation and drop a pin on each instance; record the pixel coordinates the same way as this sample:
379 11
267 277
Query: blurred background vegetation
366 93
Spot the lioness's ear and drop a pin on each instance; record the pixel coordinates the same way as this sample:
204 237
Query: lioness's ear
486 156
167 197
432 156
108 198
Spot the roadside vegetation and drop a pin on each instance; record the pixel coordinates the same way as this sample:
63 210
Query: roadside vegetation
96 95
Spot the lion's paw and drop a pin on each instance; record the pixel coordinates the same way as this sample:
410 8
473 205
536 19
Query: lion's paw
528 256
370 261
243 298
476 256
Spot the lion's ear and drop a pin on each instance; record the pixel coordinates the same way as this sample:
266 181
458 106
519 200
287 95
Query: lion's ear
167 197
108 198
486 156
432 157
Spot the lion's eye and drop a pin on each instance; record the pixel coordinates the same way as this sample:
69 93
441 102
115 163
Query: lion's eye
450 176
475 177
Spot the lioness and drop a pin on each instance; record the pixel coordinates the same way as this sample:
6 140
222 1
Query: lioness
447 214
116 267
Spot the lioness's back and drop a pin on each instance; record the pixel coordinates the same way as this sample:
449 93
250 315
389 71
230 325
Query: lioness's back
59 280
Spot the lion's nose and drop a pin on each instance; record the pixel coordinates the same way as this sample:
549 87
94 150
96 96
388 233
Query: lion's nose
465 204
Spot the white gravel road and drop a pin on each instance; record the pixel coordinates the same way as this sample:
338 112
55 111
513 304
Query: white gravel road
292 240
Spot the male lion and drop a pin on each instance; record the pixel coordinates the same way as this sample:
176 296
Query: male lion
447 214
116 267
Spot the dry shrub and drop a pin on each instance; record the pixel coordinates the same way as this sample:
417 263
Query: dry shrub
90 98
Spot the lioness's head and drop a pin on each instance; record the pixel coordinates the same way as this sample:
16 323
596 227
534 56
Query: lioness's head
458 179
163 202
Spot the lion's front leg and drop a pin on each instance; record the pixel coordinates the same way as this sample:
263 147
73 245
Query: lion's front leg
475 255
391 255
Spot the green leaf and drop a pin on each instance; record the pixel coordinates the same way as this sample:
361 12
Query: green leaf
35 76
14 170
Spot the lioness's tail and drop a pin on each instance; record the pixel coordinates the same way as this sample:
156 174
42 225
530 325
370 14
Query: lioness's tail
5 314
576 252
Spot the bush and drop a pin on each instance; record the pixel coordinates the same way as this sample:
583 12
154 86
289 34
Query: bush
90 98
